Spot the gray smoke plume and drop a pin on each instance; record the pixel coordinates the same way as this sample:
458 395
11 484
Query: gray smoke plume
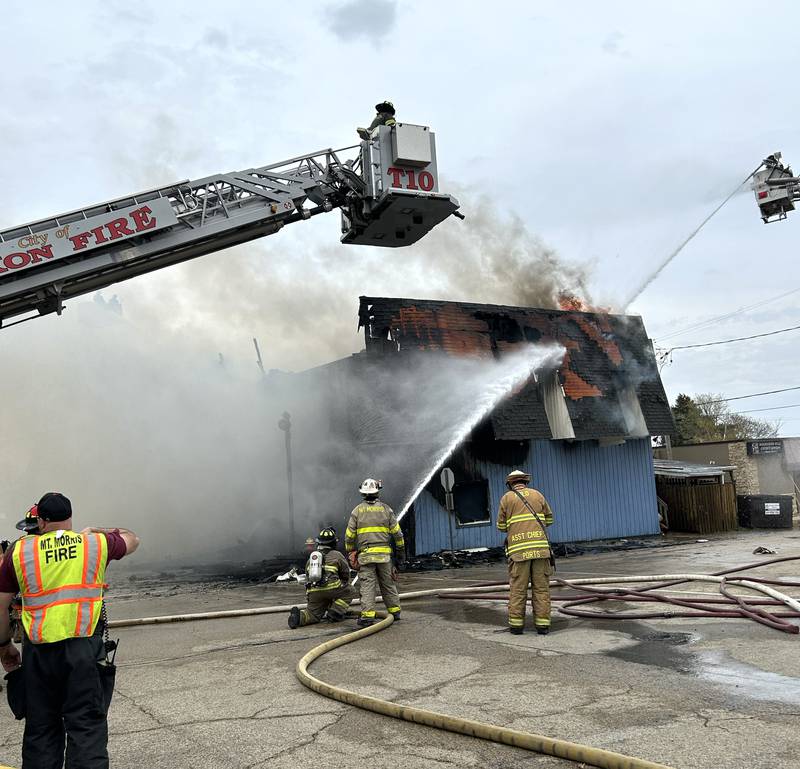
300 299
153 433
133 416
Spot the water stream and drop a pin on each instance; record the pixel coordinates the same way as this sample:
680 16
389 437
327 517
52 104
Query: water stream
507 373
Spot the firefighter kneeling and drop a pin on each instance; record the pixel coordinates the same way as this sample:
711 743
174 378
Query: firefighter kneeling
368 540
524 515
328 592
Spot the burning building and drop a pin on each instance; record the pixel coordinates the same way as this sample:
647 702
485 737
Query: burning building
581 425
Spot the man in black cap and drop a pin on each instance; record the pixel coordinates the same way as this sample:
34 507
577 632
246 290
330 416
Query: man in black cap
66 679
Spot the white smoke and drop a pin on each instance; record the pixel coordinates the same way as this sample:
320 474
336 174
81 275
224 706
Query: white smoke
133 417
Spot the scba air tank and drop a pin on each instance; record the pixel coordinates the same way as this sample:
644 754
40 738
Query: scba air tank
314 568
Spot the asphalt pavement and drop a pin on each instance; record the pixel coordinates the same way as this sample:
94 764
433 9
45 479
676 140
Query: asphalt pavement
689 693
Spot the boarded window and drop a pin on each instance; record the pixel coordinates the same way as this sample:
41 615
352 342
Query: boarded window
471 500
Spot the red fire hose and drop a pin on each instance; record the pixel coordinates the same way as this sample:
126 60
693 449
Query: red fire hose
735 606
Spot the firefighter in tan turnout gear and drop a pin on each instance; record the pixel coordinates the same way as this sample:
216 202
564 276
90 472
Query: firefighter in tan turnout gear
524 514
370 531
384 115
328 592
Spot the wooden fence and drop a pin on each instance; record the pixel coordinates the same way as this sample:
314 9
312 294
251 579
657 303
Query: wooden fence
700 509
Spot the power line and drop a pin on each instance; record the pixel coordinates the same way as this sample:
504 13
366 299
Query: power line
735 339
751 395
712 321
771 408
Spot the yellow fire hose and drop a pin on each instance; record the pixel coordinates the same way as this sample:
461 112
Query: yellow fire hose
525 740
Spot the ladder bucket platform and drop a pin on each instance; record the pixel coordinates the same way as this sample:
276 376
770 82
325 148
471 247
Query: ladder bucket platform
401 202
402 218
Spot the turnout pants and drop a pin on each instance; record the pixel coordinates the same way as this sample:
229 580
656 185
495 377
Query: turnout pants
536 572
65 697
335 602
374 576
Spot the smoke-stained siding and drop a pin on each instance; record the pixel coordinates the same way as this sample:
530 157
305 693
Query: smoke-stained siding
597 492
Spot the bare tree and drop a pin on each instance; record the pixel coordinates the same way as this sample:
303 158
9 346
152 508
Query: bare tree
706 417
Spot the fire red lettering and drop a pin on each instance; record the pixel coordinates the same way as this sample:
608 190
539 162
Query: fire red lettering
142 218
37 254
99 237
17 260
426 180
412 180
118 228
80 241
396 174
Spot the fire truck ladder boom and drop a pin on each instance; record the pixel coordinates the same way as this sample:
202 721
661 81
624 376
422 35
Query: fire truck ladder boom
43 263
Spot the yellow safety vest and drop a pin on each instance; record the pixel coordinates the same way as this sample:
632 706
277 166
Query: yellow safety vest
60 575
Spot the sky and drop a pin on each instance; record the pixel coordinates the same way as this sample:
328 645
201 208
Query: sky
598 135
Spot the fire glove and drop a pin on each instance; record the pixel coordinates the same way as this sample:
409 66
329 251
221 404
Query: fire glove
352 558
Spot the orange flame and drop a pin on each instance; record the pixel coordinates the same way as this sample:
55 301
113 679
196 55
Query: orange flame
569 301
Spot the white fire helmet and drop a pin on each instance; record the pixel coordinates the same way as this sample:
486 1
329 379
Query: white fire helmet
370 487
517 476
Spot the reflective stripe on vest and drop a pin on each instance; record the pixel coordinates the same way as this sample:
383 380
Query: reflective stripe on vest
61 582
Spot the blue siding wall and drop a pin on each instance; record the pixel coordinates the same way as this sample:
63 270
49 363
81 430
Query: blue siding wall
596 492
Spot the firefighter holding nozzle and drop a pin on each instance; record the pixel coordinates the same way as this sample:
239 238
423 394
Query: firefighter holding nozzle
328 591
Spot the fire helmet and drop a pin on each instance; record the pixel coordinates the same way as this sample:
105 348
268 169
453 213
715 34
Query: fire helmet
517 476
30 522
385 106
370 487
327 537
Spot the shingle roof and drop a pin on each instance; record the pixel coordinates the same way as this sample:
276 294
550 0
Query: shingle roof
605 354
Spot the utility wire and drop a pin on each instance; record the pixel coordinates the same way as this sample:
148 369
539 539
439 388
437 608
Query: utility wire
712 321
771 408
752 395
735 339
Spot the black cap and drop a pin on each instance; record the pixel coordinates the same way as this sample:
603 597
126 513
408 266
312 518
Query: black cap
54 507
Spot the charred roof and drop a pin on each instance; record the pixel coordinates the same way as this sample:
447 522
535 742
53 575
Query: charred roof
608 370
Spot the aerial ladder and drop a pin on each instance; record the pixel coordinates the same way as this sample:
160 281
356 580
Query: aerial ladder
386 188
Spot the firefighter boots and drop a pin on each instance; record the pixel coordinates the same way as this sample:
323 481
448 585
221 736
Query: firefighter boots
294 618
